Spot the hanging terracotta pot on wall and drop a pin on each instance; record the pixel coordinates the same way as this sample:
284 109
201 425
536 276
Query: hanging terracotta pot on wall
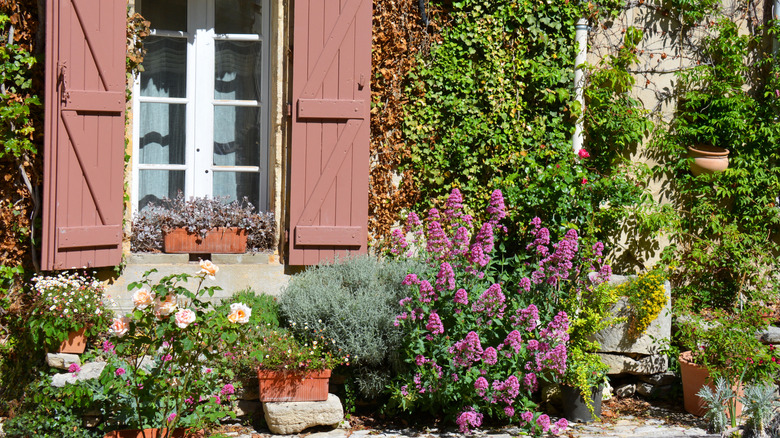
708 159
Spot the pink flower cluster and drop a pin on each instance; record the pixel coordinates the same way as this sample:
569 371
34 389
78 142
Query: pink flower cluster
467 351
468 419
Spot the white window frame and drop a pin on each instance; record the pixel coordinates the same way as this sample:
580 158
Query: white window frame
200 102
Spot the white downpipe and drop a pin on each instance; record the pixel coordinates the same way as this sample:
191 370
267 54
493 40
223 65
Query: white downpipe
775 16
581 40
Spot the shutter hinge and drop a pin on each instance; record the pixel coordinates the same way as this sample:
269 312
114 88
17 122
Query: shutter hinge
287 235
289 109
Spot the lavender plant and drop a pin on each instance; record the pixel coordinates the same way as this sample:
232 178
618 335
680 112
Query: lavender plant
471 346
199 215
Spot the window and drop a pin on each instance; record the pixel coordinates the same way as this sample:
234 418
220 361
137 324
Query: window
201 103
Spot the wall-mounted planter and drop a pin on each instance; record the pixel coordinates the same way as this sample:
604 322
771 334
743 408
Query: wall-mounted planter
708 159
288 386
217 241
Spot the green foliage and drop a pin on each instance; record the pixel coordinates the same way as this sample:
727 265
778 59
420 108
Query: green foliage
279 350
716 400
16 126
492 106
265 309
646 296
51 412
353 302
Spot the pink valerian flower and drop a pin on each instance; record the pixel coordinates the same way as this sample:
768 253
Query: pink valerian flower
557 330
420 360
509 411
217 399
544 422
412 222
398 241
438 243
108 347
527 416
530 381
427 294
507 390
433 215
485 237
467 351
491 302
559 427
514 340
468 419
228 389
528 317
454 204
524 284
119 371
497 209
460 242
582 153
405 390
445 279
490 356
434 325
400 318
172 417
461 297
74 368
404 301
410 279
477 256
481 385
554 360
558 265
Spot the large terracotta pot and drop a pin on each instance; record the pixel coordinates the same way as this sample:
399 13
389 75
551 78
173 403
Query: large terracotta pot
708 159
286 386
156 433
76 342
694 377
221 240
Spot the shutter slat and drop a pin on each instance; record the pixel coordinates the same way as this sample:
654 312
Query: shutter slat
315 235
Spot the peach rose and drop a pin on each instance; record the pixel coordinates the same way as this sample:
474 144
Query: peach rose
120 326
184 317
165 307
208 268
239 313
143 298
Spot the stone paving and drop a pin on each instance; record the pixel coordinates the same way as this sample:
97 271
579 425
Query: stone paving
625 427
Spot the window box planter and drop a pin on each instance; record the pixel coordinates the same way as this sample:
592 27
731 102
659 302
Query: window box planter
288 386
230 240
76 342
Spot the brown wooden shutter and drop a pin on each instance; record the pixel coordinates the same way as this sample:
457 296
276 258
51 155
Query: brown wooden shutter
330 130
84 133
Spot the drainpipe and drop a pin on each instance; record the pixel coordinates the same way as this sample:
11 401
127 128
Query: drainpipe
581 40
775 16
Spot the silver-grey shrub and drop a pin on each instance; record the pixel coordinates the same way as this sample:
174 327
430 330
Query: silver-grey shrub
353 302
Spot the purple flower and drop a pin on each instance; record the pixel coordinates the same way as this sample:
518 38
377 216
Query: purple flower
514 340
490 356
528 317
530 382
481 385
485 237
525 284
74 368
445 279
477 256
427 294
527 416
398 241
467 351
461 297
119 371
412 222
438 243
509 411
460 242
468 419
420 360
559 426
544 422
491 302
171 417
454 204
108 347
434 324
410 280
497 209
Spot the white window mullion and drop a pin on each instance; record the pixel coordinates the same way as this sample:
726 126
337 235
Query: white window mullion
136 154
203 69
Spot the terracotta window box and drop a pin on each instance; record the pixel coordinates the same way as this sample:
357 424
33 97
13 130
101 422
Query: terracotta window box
230 240
286 386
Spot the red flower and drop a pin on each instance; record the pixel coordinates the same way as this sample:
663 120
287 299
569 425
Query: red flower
583 153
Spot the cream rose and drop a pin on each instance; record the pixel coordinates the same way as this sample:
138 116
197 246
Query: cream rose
120 326
143 298
165 307
208 268
239 313
184 317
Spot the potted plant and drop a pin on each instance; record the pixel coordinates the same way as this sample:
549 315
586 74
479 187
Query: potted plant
161 361
202 226
67 310
722 345
290 370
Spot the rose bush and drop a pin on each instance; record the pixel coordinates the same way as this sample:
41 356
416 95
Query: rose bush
162 364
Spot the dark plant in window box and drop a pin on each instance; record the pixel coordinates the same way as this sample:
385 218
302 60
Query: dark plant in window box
199 215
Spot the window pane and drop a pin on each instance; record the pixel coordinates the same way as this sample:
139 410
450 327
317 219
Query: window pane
156 184
237 16
237 70
236 136
162 133
236 185
165 67
165 14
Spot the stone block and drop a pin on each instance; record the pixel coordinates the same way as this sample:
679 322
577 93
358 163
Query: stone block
653 391
62 361
247 407
90 370
771 335
623 391
293 417
666 378
619 364
616 339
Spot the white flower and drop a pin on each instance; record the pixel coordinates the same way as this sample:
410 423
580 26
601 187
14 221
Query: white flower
208 268
239 313
184 317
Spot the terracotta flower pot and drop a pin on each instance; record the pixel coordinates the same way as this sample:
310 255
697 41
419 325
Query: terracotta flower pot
286 386
694 377
221 240
179 432
708 159
76 342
